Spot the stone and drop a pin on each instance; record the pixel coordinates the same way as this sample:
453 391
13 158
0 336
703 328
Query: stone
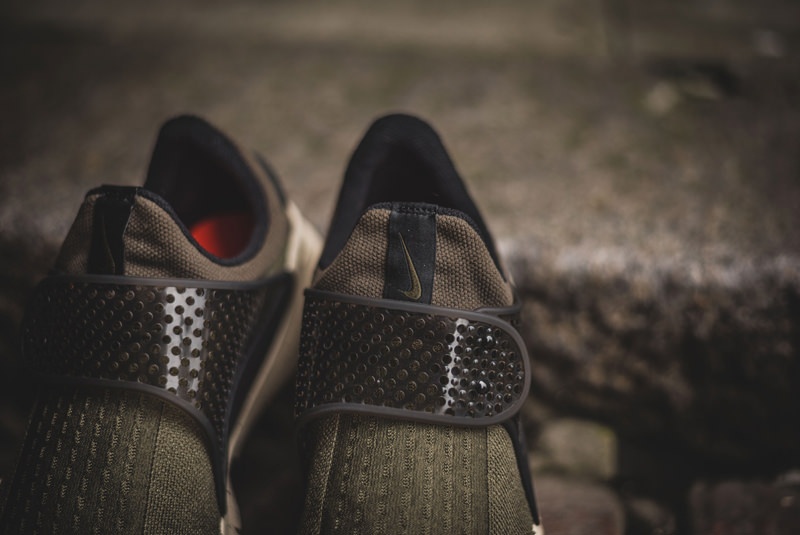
571 507
577 447
704 354
647 517
768 43
747 507
661 98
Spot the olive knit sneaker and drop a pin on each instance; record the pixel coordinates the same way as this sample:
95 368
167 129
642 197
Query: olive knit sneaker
169 319
411 372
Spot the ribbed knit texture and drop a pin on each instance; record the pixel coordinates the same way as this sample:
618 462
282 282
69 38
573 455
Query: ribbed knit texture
506 495
396 477
93 463
371 475
174 504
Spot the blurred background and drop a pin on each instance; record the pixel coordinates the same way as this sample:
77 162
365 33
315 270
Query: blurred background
639 162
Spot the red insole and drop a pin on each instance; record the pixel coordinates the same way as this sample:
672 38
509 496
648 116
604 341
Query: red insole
224 235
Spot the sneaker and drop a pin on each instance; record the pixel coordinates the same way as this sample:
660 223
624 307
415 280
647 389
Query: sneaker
170 318
411 373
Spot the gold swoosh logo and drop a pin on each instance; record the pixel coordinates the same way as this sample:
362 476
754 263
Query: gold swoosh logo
415 292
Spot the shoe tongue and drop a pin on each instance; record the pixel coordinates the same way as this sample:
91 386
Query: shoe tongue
417 252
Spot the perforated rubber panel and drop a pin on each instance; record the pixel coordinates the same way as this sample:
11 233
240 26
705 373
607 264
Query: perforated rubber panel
410 361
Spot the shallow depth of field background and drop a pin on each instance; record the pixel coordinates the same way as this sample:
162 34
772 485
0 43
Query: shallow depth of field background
639 163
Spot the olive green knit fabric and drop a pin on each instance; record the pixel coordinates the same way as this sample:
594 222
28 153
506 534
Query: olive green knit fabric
507 502
361 266
110 461
465 275
371 475
181 497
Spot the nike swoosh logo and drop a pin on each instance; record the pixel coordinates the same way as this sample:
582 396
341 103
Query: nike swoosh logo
415 292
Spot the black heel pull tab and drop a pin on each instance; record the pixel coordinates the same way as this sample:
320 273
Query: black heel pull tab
112 211
411 253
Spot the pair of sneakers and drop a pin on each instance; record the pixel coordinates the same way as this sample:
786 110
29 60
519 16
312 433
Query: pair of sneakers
177 309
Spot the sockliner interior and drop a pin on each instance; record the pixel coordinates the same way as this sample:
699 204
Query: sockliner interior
201 175
224 235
